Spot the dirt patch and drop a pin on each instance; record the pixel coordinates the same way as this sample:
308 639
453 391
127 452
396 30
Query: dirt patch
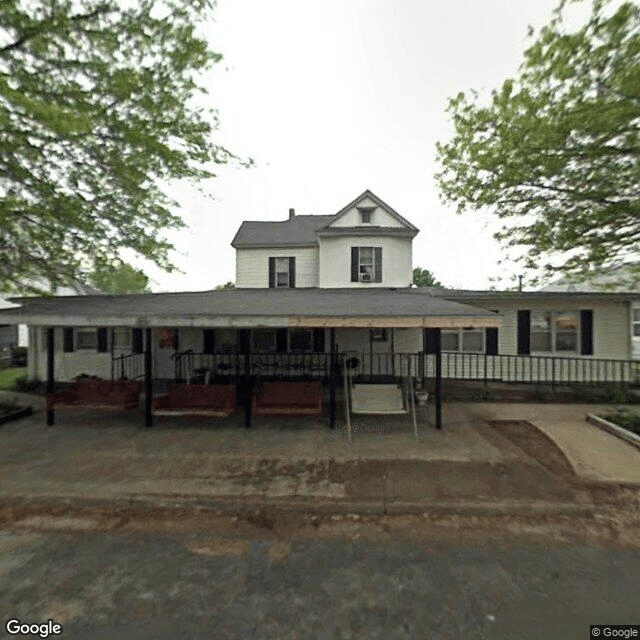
67 523
407 479
279 551
536 444
229 535
419 480
220 547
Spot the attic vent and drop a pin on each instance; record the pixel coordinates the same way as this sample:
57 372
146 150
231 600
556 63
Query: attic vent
366 214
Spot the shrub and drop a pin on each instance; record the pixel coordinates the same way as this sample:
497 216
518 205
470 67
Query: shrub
627 420
24 384
619 396
539 395
19 357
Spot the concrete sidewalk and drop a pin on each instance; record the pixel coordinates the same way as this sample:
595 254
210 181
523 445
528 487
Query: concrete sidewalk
593 453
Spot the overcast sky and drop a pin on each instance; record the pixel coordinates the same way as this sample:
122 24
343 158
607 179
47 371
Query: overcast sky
332 97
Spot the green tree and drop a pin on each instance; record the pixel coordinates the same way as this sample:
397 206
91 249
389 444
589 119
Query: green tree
424 278
555 152
226 285
119 277
97 117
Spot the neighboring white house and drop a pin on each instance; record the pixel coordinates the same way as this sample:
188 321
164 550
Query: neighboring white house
17 335
620 279
350 271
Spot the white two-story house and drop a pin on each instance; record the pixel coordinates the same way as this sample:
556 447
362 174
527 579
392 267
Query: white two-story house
308 285
366 245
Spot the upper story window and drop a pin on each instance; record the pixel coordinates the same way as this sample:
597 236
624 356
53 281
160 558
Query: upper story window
366 264
554 331
366 214
282 273
636 323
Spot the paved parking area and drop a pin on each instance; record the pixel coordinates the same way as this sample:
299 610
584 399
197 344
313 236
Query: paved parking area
107 456
111 456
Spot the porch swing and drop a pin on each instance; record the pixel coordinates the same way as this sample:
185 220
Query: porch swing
395 398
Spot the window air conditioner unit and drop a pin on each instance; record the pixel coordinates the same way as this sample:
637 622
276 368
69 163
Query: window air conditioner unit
366 277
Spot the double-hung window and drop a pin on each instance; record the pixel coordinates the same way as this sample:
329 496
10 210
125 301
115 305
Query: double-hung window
86 339
636 322
282 272
122 338
554 331
366 264
463 340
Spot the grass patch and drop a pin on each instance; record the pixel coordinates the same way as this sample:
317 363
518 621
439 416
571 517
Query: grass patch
626 420
8 377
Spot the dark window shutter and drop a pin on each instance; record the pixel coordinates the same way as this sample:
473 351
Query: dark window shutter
354 264
176 340
209 341
524 332
586 332
244 340
68 339
292 272
137 344
281 340
491 341
318 340
272 273
102 340
378 264
431 340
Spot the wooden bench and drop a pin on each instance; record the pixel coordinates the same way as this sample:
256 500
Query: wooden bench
214 400
288 399
94 393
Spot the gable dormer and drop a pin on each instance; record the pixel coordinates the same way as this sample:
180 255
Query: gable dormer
368 211
366 244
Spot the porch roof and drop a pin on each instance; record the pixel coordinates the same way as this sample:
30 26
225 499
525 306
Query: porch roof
312 307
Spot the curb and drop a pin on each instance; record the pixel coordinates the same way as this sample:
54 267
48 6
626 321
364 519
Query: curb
16 415
614 429
235 507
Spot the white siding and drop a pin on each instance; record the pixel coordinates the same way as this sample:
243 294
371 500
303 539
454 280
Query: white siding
380 217
252 266
635 340
335 261
66 366
610 325
408 340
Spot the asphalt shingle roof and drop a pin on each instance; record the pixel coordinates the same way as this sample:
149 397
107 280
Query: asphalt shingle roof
298 231
474 295
310 302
